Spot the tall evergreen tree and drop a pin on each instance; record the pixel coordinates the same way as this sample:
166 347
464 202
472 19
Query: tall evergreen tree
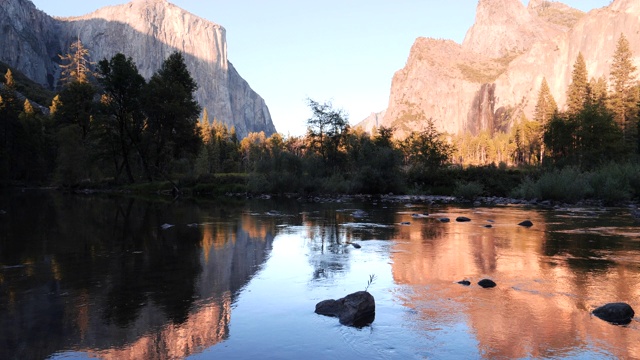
598 90
172 114
123 123
577 91
623 97
546 105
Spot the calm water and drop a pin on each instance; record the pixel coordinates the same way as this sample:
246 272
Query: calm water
101 277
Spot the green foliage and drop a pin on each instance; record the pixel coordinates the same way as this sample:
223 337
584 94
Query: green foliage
624 95
577 92
546 106
567 185
326 131
468 190
171 131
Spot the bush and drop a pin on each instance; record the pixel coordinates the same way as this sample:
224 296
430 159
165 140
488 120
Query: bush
468 190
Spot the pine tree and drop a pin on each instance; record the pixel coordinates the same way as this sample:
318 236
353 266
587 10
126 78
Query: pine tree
577 92
8 80
77 64
598 90
623 97
546 106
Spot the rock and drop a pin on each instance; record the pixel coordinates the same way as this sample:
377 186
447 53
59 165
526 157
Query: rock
488 226
615 313
445 220
491 71
405 223
147 31
465 282
462 219
357 309
166 226
526 223
357 246
486 283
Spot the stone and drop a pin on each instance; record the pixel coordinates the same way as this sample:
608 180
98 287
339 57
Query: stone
462 219
464 282
488 226
615 313
479 81
486 283
357 246
526 223
148 32
445 220
357 309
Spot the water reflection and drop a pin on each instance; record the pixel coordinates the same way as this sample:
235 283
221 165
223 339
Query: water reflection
548 282
100 275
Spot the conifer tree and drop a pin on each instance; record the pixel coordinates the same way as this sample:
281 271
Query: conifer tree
577 92
76 64
598 90
546 106
623 98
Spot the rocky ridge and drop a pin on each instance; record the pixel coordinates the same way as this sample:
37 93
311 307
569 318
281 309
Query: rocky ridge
493 77
146 30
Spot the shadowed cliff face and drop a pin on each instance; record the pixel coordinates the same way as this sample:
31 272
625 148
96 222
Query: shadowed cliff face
509 50
146 30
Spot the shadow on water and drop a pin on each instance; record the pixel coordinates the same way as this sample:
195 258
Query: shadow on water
101 275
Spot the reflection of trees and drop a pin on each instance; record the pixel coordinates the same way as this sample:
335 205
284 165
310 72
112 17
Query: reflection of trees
99 272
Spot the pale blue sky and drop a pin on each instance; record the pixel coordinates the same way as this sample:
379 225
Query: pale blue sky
345 51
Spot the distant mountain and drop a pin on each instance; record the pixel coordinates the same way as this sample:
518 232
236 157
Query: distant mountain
372 121
494 76
146 30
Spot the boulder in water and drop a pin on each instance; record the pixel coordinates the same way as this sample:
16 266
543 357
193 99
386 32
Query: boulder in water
462 219
615 313
526 223
486 283
357 309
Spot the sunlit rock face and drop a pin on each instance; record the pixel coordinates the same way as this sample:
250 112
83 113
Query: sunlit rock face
509 50
146 30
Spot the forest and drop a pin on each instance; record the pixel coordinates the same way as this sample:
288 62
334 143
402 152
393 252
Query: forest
109 128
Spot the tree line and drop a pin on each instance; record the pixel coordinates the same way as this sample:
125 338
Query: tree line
599 124
108 125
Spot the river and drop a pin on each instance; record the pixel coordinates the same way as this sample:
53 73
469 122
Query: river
116 277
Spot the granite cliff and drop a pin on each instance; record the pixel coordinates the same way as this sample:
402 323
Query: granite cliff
494 76
146 30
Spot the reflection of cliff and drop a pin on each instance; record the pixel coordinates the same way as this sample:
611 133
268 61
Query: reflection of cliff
101 276
541 305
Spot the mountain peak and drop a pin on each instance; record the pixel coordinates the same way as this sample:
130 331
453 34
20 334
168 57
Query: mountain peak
628 6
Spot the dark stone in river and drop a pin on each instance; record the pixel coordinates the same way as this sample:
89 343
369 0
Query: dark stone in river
526 223
357 246
488 226
444 220
465 282
462 219
486 283
615 313
357 309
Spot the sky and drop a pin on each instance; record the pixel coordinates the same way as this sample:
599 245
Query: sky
342 51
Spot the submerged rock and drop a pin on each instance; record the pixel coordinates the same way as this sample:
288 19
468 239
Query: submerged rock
462 219
357 246
486 283
465 282
445 220
526 223
615 313
357 309
488 226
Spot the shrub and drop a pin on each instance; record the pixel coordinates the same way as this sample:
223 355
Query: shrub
468 190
